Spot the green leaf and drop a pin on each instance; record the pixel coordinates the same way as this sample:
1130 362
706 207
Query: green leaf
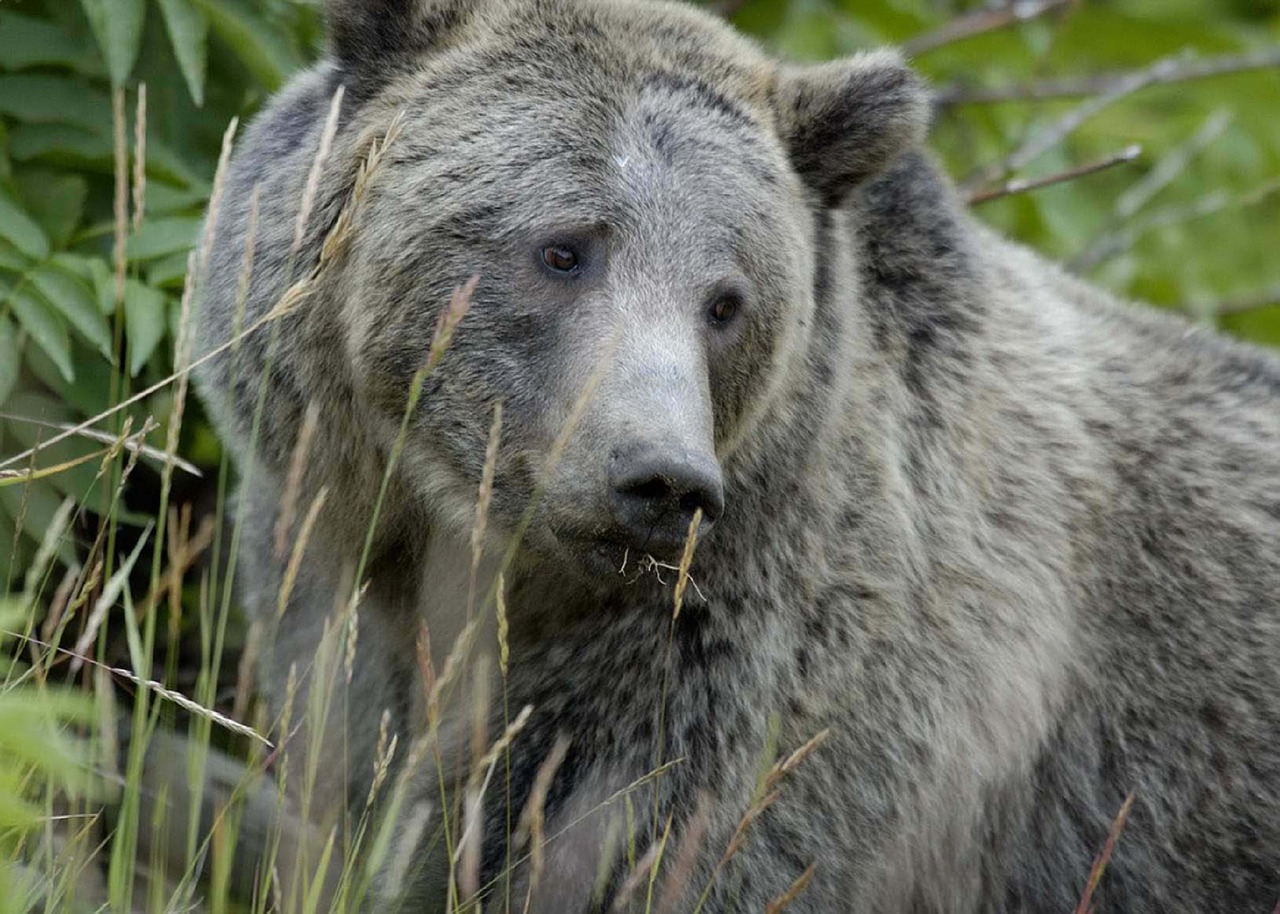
40 503
55 200
165 200
40 99
104 284
10 358
11 259
90 392
259 46
61 144
74 301
161 237
189 32
77 265
75 147
6 167
21 229
144 323
41 418
14 811
169 272
45 327
117 24
28 42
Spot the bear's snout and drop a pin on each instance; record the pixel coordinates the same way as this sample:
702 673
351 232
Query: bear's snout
654 493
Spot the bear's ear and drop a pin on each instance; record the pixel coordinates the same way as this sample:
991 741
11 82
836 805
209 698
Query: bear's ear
368 35
846 121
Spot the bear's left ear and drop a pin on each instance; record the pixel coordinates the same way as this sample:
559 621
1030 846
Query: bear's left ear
846 121
370 35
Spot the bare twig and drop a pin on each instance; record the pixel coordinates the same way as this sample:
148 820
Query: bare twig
682 579
982 21
686 862
1022 185
1145 189
1267 298
170 582
727 8
317 170
293 479
1176 71
1120 241
129 444
1171 165
1041 141
532 829
644 871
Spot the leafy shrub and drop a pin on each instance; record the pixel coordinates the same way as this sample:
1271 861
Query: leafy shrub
37 759
79 329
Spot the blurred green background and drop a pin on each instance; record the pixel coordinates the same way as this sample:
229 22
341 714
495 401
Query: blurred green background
1192 223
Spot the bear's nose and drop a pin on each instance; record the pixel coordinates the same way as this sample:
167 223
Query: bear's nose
654 495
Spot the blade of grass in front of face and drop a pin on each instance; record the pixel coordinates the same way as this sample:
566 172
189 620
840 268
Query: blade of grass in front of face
691 542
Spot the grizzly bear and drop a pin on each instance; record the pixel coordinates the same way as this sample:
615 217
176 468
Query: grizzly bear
996 550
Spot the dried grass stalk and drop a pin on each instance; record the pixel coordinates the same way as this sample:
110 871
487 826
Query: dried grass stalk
140 159
299 549
293 481
786 898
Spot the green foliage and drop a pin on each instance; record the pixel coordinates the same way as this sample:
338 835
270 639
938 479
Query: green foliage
74 341
37 757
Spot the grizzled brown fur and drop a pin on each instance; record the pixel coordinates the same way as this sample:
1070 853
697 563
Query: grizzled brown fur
1012 542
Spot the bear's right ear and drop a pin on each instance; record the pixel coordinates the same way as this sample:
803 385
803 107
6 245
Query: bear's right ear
846 121
370 35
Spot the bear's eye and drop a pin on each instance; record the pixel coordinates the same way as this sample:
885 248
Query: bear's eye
725 308
560 259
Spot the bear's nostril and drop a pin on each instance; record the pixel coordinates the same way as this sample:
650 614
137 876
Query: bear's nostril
654 497
649 490
696 501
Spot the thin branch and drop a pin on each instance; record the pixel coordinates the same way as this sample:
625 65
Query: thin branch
727 8
1171 166
1116 243
1176 70
980 22
1144 190
1023 185
1041 141
1267 298
129 444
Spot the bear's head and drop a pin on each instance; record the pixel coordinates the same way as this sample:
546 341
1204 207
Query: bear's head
635 187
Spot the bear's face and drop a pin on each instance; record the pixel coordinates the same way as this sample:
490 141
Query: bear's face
624 182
